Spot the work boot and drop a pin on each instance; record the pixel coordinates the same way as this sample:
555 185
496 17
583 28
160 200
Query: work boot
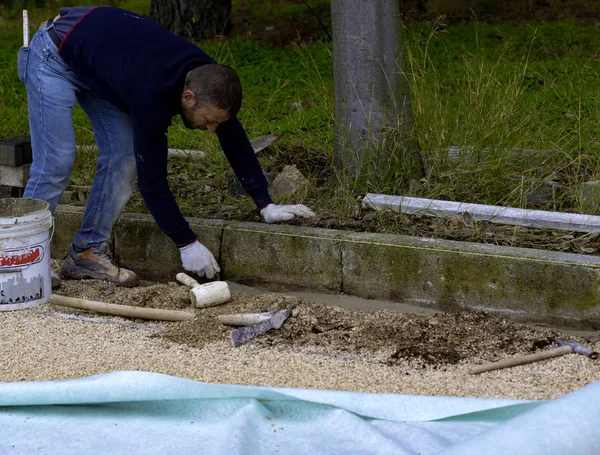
55 280
96 264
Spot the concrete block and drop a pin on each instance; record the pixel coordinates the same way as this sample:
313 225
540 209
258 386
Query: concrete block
67 219
589 197
523 284
141 246
15 176
287 256
492 213
15 151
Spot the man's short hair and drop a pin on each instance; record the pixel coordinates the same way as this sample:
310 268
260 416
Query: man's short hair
216 85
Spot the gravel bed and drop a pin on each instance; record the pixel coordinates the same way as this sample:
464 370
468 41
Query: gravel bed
322 347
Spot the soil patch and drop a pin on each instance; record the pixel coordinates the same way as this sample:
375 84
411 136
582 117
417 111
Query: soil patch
384 336
312 24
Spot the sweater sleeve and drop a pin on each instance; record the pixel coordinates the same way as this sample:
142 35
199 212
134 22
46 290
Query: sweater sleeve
245 165
150 123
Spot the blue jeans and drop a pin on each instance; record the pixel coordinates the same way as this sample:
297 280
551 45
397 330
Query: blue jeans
52 92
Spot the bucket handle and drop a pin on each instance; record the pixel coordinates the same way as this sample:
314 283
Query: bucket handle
52 232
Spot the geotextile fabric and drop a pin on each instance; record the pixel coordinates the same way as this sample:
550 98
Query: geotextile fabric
138 412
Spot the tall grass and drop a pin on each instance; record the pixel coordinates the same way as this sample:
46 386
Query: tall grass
520 112
519 101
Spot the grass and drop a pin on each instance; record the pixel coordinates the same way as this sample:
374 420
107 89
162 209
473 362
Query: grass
504 88
520 100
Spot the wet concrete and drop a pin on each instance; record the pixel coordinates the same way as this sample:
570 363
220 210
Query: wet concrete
341 300
358 303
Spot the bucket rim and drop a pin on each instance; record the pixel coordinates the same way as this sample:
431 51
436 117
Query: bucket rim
12 208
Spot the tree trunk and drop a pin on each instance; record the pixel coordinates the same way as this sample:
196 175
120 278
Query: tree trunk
193 19
372 99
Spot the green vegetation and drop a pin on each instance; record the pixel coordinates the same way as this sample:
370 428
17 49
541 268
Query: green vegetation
520 100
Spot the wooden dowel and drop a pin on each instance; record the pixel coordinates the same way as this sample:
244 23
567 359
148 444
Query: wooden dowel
521 360
244 318
121 310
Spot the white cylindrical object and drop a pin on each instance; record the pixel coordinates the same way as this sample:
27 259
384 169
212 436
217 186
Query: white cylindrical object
187 280
25 28
25 234
210 294
244 319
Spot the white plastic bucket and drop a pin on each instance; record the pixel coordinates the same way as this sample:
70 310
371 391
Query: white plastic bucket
25 234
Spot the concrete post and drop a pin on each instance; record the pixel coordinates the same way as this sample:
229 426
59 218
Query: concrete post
372 98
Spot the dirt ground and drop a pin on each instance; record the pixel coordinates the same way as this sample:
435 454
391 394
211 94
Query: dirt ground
383 336
315 24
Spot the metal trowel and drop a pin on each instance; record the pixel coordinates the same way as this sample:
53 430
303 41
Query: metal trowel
244 334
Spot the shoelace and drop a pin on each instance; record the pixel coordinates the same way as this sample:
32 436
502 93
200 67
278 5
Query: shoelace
102 255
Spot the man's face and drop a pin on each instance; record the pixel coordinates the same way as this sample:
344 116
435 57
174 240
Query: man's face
203 117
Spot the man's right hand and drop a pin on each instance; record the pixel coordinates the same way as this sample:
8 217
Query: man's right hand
195 257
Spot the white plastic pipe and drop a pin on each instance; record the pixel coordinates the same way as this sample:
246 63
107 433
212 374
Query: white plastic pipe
495 214
210 294
205 295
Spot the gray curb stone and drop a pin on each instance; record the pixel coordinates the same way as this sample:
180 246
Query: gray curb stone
524 284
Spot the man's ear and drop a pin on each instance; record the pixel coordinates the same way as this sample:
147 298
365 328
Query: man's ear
188 99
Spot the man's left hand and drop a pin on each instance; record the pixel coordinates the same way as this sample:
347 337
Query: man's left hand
273 213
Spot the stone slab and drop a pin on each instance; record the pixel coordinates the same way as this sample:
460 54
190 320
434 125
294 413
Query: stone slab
67 219
299 258
141 246
14 176
524 284
15 151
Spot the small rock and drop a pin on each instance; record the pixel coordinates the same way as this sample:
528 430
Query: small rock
295 312
589 197
288 182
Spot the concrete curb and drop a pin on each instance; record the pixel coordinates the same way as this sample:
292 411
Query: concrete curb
524 284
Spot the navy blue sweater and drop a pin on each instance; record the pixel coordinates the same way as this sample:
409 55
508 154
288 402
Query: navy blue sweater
140 67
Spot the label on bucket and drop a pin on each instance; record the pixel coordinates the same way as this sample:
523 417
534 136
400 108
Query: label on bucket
19 289
20 259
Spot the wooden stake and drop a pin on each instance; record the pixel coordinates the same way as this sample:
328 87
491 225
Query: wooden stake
521 360
121 310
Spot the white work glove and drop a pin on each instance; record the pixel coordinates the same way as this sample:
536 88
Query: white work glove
195 257
273 213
